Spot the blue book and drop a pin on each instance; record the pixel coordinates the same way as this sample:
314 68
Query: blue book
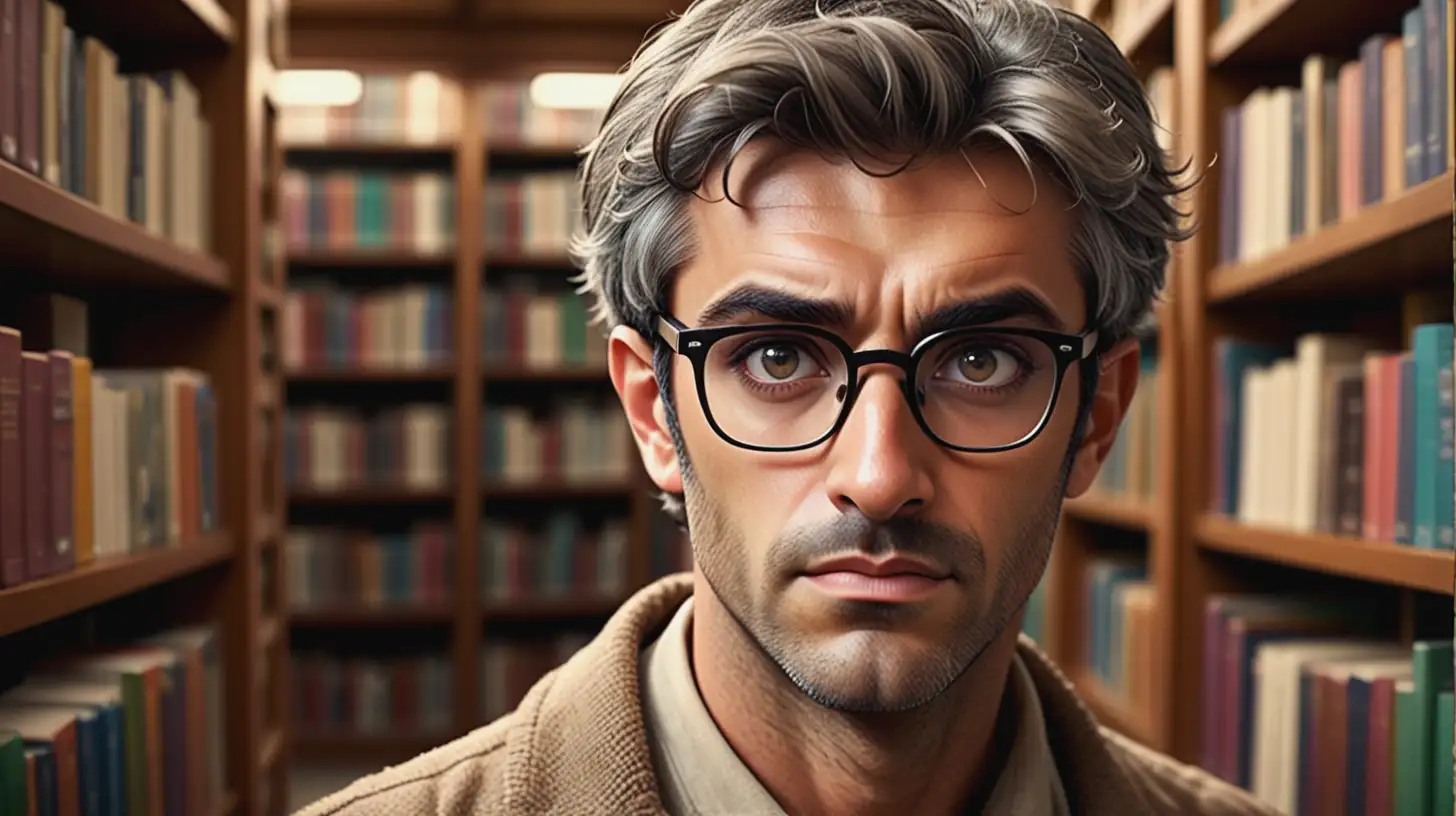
1431 350
1413 38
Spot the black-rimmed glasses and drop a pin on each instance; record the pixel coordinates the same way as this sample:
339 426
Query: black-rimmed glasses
788 387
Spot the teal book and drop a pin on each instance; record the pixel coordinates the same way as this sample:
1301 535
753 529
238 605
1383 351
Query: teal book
1431 350
13 795
1442 794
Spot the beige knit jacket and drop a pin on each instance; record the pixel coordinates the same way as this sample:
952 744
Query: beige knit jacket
576 745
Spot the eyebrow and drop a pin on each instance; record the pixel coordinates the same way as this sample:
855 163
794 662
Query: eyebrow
775 304
993 307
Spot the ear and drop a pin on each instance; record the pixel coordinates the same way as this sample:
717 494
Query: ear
629 362
1115 388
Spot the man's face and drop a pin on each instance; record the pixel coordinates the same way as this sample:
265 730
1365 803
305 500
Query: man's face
890 250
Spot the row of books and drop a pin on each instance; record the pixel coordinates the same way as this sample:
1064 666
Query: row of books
405 327
134 144
535 214
333 567
417 108
1128 470
527 325
1305 706
563 557
1340 436
346 209
510 666
136 728
1353 134
96 464
385 695
328 448
579 440
511 117
1120 608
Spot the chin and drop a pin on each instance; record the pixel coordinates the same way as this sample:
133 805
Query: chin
869 670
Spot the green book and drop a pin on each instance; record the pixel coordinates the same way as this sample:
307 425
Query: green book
13 797
1406 775
1441 792
1431 663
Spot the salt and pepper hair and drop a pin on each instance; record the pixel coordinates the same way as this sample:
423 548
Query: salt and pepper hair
871 81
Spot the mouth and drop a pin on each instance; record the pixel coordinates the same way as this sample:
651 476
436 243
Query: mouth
893 580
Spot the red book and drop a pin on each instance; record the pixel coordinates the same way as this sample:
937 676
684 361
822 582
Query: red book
10 80
62 463
1380 747
12 483
35 434
27 101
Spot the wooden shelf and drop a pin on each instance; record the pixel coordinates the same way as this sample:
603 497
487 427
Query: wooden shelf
1149 34
1118 511
151 33
369 259
1402 241
346 618
1284 32
521 260
370 495
62 240
1109 709
1089 8
1377 561
438 373
520 151
105 579
349 148
550 608
559 374
558 490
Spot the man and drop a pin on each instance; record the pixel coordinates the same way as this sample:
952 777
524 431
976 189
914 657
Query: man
872 268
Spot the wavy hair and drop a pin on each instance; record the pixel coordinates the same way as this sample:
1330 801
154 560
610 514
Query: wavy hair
864 80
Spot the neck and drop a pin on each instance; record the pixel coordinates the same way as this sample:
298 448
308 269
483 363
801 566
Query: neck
935 759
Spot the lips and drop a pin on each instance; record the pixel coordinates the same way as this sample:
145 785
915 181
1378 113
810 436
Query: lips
864 565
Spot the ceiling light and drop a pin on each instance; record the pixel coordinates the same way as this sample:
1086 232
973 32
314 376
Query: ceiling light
574 91
316 88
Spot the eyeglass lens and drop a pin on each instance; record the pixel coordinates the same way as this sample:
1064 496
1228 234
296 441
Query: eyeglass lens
782 388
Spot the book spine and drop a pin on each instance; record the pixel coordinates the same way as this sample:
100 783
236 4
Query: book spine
27 95
1404 528
9 80
12 471
1433 14
62 463
1413 33
35 425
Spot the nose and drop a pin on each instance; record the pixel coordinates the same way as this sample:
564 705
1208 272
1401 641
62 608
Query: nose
878 461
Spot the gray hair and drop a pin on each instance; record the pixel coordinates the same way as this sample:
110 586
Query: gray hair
867 80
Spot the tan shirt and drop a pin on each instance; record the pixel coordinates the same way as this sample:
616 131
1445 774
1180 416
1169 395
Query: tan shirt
699 773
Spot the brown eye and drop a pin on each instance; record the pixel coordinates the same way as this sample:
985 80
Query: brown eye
774 363
985 367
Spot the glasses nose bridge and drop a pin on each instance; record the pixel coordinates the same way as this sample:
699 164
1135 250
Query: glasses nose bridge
904 362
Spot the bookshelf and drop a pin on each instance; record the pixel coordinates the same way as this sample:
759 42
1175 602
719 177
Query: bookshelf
1375 268
146 289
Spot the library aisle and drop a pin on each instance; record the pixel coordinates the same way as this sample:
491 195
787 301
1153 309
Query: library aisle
309 461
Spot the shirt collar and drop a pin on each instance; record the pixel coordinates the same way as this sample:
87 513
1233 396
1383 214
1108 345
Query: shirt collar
699 772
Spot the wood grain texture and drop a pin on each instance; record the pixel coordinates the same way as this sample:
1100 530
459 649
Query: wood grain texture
37 602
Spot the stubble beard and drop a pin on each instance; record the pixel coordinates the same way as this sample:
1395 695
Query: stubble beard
871 669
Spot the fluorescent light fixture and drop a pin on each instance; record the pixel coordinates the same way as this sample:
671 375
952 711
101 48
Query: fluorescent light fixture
316 88
574 91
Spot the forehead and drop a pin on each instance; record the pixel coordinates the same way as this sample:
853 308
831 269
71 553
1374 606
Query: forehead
949 229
